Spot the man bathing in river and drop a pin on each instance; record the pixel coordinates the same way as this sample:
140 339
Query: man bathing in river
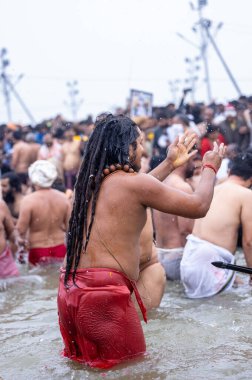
98 321
214 237
44 215
171 230
151 280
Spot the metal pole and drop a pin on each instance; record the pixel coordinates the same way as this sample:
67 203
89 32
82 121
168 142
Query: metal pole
7 98
21 102
203 52
222 59
4 63
73 104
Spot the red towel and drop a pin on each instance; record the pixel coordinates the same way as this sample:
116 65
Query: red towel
98 320
47 255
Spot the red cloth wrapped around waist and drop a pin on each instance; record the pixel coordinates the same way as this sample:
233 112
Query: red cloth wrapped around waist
8 266
98 320
47 255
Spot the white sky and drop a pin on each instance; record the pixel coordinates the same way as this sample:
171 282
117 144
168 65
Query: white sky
110 46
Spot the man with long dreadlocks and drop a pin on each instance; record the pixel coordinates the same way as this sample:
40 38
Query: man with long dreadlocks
98 320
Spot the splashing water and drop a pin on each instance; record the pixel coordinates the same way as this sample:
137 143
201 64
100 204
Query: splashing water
186 339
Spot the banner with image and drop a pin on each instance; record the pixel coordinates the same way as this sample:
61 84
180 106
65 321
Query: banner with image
140 103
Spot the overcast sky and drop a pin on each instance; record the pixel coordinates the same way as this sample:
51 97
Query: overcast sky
111 46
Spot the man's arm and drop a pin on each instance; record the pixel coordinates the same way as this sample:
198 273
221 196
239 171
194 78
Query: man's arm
9 227
24 219
154 194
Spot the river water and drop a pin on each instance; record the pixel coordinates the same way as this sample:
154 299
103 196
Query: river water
186 339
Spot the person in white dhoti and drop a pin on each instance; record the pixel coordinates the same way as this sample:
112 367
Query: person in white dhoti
214 237
199 276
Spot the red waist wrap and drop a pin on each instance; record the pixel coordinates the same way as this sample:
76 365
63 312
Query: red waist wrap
98 320
47 255
8 266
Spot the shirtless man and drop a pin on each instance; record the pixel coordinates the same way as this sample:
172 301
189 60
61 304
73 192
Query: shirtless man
214 237
51 150
207 118
12 193
8 266
98 321
171 230
44 216
151 280
34 147
194 180
71 158
20 160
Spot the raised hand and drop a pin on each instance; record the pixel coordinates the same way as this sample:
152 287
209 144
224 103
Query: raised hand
214 157
179 152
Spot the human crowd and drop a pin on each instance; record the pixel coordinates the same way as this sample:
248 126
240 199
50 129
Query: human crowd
189 205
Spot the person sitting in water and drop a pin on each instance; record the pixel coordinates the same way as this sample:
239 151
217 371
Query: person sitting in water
44 215
214 237
151 280
8 234
171 230
98 320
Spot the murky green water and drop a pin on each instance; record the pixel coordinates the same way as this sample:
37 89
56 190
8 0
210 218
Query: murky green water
186 339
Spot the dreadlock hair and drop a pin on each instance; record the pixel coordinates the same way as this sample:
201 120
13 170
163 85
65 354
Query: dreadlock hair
108 144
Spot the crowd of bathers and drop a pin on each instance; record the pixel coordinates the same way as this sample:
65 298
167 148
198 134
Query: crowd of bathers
62 143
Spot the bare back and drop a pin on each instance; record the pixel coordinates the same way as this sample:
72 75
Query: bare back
220 225
33 153
21 157
119 219
45 214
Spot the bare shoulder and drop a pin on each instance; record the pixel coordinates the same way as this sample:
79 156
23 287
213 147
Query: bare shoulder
28 199
246 194
242 195
145 185
56 194
143 179
17 147
134 182
3 206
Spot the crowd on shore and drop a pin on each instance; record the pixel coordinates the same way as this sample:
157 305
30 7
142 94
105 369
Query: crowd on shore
40 165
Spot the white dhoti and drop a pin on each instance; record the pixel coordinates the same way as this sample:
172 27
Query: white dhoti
200 278
170 258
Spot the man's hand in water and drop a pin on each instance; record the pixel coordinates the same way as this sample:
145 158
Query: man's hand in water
214 157
22 243
179 152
